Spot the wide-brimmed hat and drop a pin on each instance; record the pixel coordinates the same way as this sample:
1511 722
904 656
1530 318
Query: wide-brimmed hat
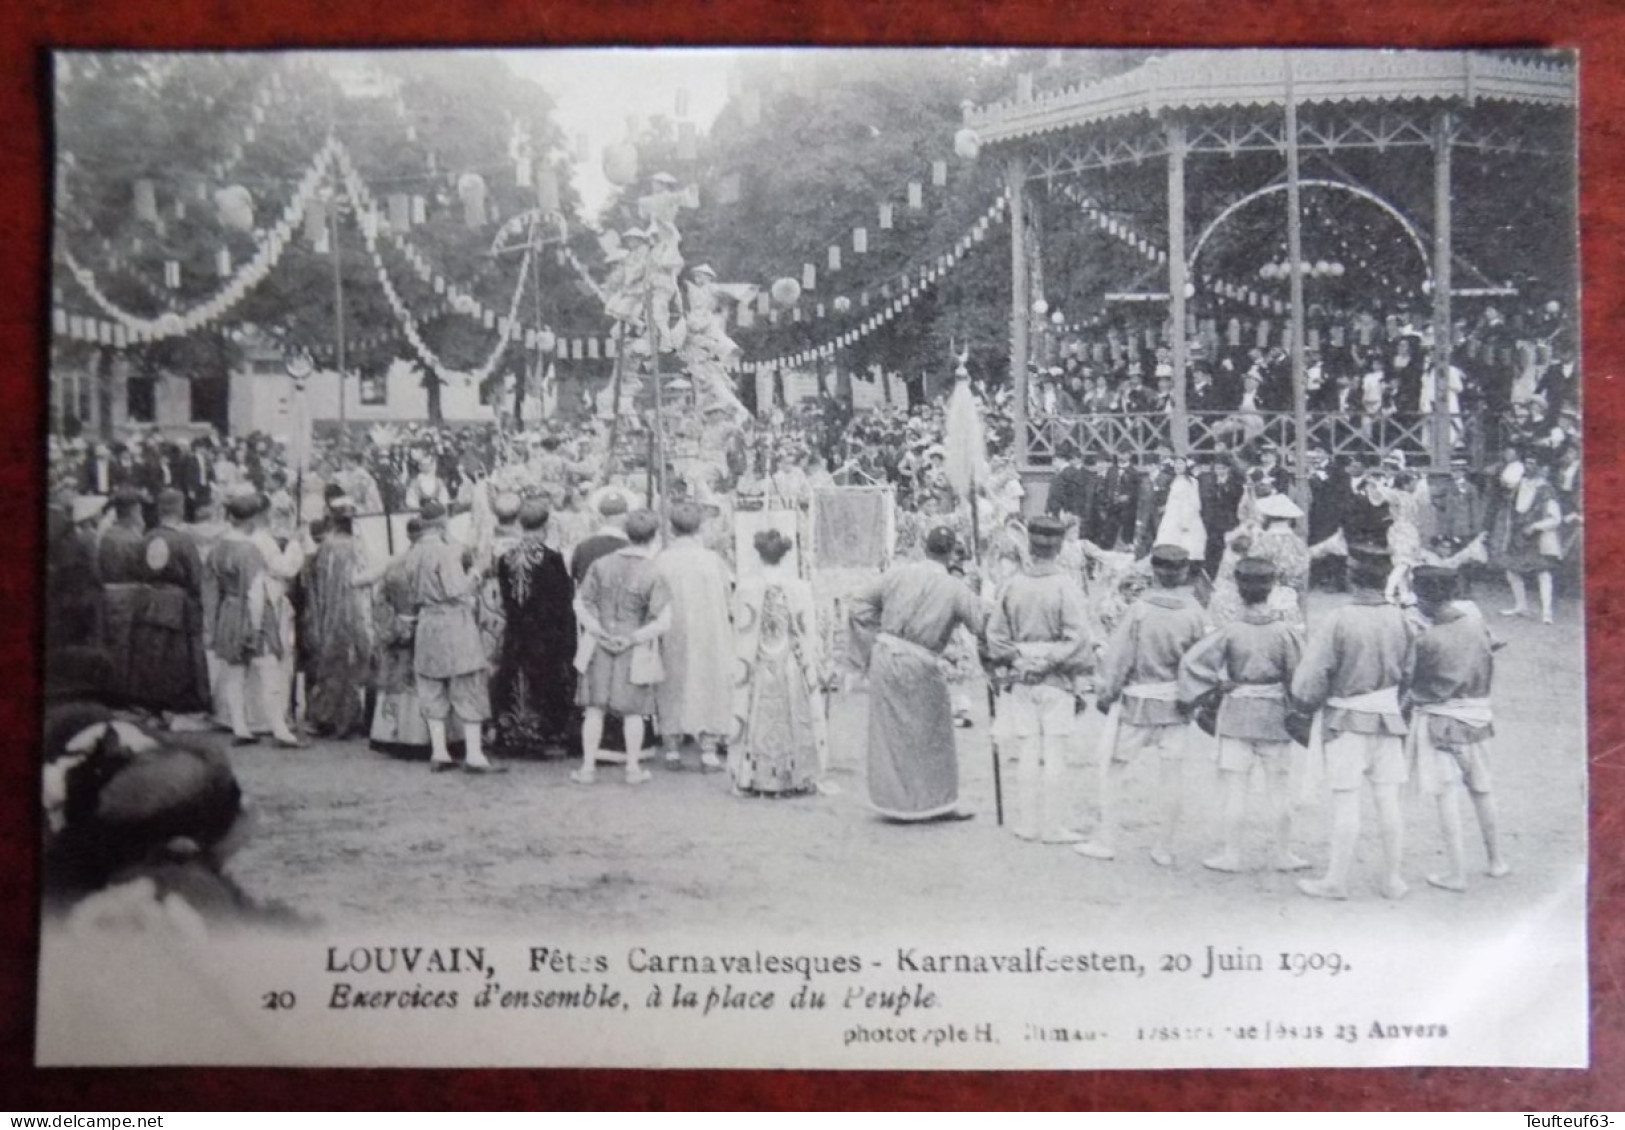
1278 505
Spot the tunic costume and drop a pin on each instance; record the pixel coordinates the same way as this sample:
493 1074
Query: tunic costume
337 618
900 625
1447 677
239 628
1139 674
1039 614
694 698
624 591
448 659
779 742
534 684
1351 673
167 666
1254 656
397 720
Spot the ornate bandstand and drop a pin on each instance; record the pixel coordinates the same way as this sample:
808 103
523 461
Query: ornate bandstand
1429 148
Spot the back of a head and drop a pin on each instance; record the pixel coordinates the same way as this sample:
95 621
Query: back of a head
642 526
771 546
533 514
686 518
1170 566
1044 537
1255 579
171 503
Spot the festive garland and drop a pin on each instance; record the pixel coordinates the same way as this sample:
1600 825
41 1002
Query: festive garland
505 327
913 283
128 327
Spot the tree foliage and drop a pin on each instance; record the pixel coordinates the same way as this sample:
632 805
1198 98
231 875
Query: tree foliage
414 122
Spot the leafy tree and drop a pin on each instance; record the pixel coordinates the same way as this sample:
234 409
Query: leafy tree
414 122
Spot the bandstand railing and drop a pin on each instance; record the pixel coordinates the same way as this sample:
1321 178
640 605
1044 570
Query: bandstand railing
1367 438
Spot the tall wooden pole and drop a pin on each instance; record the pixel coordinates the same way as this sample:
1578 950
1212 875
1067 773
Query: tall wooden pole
338 299
1020 304
1294 244
1443 332
1177 279
615 402
657 465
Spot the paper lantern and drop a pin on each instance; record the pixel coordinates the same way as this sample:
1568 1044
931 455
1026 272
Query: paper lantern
1058 318
471 191
146 202
1040 307
621 164
843 304
547 188
235 207
786 291
967 144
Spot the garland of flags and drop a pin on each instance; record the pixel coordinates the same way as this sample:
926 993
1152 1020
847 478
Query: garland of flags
126 327
507 325
1154 254
912 284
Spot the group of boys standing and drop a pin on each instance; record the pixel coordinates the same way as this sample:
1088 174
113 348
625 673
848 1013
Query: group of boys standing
1374 694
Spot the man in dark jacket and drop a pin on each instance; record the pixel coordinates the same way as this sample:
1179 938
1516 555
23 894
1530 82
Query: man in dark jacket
1219 489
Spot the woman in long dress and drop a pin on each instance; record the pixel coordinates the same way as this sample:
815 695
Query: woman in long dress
1181 523
534 686
337 615
779 747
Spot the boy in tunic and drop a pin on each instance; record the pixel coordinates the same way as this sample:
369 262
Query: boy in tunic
448 658
1351 674
623 607
1448 675
1250 661
1139 694
1038 630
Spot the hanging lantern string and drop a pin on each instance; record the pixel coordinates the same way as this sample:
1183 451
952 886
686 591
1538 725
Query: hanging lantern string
926 279
910 190
910 275
506 327
116 262
367 202
178 323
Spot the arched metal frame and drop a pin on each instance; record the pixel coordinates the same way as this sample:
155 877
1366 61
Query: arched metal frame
1417 239
1354 99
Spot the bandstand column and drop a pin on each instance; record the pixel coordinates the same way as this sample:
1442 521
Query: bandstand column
1020 303
1294 244
1443 332
1177 278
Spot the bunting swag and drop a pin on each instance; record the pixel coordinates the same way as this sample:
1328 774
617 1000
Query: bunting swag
913 282
179 323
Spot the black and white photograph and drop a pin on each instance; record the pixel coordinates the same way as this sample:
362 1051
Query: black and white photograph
814 558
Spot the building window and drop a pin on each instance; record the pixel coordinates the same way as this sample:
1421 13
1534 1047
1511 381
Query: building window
374 389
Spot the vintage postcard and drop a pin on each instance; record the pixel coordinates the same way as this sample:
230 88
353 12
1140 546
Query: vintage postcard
815 559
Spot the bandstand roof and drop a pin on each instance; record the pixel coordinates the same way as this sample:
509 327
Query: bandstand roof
1224 79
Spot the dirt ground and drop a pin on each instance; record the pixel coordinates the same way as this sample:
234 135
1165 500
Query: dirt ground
363 840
